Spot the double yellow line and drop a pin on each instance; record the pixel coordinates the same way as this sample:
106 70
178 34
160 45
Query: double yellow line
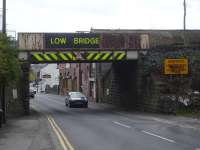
61 137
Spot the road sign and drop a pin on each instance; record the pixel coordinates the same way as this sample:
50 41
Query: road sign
71 40
176 66
46 76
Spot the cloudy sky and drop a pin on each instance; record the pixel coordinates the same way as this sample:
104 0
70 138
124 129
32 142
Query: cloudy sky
82 15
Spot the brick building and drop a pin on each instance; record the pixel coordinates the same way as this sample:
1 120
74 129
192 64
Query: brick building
78 77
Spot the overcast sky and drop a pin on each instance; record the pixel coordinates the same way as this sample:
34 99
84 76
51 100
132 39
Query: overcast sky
82 15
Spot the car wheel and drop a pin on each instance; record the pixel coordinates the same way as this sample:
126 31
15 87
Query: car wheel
86 105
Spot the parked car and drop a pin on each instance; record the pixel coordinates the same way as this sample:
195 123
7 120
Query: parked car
76 99
32 92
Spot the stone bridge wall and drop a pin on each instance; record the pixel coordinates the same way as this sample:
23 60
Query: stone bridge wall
142 84
153 85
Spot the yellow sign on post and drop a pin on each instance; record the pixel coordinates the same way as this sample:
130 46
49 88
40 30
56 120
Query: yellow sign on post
176 66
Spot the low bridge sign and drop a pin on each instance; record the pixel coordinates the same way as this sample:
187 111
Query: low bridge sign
71 40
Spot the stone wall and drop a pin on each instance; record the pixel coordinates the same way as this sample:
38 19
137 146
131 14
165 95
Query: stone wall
156 90
14 106
118 84
104 76
142 84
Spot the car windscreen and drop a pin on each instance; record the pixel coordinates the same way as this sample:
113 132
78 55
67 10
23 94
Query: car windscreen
77 95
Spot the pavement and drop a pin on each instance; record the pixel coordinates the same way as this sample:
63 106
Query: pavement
53 126
26 133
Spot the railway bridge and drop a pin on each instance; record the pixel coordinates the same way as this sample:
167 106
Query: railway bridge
120 56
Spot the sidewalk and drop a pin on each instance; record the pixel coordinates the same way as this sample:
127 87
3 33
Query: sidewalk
26 133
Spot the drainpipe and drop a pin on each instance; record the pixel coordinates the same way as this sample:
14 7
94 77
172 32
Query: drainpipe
95 81
184 23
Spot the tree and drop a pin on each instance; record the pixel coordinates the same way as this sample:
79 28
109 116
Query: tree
9 64
9 68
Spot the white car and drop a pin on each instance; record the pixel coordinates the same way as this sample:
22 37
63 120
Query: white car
76 99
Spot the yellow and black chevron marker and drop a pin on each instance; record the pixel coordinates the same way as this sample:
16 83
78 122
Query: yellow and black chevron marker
104 56
53 57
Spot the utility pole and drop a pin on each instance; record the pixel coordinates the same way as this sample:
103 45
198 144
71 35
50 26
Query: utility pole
4 17
2 86
185 12
184 23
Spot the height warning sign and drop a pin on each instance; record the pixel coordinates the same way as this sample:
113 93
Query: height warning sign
176 66
71 40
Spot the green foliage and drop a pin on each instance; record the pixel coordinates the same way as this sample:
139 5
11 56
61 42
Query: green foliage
9 64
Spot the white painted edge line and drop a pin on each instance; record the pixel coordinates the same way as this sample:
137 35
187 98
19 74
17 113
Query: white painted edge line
163 138
121 124
198 149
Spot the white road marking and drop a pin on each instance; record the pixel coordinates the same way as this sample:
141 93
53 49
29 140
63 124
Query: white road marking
163 138
162 121
121 124
198 149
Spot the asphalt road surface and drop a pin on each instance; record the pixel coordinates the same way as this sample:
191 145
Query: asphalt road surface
102 128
